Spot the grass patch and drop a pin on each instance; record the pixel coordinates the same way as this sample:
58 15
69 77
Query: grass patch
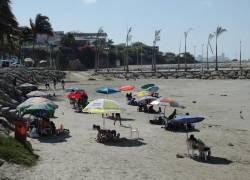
13 151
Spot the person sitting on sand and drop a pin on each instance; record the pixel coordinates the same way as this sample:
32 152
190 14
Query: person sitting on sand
118 117
172 115
151 110
198 144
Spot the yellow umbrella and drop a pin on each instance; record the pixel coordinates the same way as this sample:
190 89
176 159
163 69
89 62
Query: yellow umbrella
103 106
142 94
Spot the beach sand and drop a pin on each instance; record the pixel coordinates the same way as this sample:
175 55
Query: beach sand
153 156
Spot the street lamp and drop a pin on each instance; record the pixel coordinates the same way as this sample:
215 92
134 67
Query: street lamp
185 55
156 39
240 56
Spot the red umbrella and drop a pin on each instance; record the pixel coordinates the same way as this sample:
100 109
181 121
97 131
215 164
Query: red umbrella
127 88
74 95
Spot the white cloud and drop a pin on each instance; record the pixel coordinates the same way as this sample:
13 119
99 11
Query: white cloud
88 1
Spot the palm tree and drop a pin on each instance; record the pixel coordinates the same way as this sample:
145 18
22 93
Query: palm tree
40 26
25 35
217 33
210 37
8 24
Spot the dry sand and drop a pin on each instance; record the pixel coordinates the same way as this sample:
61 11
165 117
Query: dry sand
154 155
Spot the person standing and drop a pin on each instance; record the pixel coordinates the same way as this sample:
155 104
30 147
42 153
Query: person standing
63 84
54 82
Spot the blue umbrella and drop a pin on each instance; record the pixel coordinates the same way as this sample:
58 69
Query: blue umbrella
74 88
107 90
186 119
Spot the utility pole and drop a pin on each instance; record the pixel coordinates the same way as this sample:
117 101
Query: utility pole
128 39
240 56
178 66
202 55
185 55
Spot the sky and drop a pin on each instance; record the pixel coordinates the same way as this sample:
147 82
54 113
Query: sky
173 17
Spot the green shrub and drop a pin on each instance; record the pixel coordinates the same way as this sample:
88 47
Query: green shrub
13 151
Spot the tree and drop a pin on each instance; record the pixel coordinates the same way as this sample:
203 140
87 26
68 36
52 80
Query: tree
41 25
217 33
8 25
25 35
68 40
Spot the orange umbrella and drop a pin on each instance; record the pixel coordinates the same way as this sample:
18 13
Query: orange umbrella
127 88
167 100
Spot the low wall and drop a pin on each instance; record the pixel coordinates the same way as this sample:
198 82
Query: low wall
222 74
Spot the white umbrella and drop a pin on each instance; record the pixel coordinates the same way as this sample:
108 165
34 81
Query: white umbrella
37 94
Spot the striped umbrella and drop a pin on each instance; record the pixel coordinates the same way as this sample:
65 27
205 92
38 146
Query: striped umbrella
103 106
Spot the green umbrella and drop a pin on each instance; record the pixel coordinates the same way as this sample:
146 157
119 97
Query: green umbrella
32 101
146 86
41 110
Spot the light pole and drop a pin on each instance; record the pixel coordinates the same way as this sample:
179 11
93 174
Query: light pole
141 56
128 39
179 55
202 55
240 56
210 37
100 30
156 39
185 55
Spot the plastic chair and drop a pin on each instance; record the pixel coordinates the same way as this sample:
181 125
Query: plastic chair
134 131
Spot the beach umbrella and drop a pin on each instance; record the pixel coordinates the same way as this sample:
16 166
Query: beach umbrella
35 100
146 99
75 95
37 94
186 119
167 101
41 110
146 86
127 88
103 106
74 88
153 89
107 90
142 94
28 86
